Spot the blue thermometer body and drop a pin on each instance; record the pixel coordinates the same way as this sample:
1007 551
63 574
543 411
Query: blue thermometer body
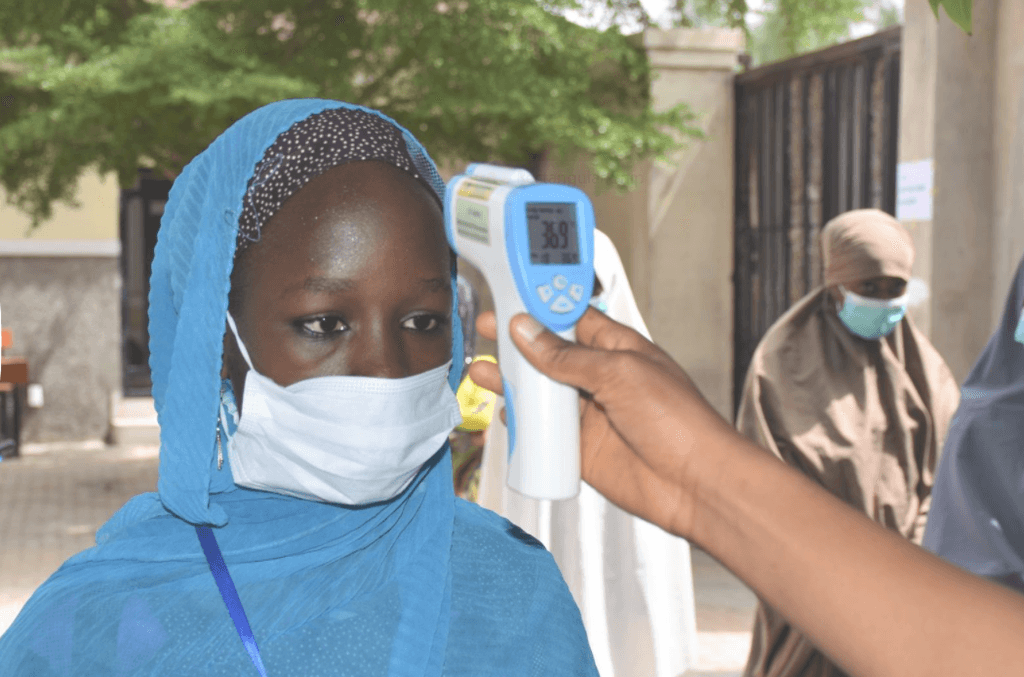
534 243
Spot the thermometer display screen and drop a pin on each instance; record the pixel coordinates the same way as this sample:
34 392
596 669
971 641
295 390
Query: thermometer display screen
552 228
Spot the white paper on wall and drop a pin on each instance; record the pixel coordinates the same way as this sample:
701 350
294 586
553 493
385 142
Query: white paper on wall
915 183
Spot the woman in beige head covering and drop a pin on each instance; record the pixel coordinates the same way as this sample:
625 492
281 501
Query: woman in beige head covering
846 389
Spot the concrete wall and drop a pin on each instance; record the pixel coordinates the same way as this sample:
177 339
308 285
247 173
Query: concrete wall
66 316
961 105
963 237
60 292
918 71
1008 152
684 274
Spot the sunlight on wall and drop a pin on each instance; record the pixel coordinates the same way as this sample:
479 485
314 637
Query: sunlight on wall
95 219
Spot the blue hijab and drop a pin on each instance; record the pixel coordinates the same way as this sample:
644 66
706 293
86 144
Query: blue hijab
976 519
425 584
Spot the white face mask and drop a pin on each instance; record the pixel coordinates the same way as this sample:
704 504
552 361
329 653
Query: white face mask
339 439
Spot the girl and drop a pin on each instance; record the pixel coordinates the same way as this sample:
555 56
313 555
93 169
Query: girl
305 522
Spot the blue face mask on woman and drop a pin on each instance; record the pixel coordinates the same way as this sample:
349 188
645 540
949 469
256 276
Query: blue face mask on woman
871 318
1019 334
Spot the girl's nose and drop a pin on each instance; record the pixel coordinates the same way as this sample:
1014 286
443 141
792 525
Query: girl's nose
376 351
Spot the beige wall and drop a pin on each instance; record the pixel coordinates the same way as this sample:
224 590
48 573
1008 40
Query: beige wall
96 218
962 104
1008 148
684 274
963 219
918 66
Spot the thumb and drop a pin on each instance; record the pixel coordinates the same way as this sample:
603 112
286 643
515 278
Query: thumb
564 361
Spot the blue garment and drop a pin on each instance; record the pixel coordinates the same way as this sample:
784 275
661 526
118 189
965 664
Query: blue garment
976 519
425 584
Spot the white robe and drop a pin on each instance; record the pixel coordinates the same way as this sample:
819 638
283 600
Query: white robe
632 581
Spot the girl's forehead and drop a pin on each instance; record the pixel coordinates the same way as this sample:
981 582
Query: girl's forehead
382 201
352 221
313 146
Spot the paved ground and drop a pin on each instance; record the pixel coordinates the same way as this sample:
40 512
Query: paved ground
52 504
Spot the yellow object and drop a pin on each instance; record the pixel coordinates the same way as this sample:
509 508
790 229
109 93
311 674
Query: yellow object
476 403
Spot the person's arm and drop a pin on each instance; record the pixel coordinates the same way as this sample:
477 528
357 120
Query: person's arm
876 604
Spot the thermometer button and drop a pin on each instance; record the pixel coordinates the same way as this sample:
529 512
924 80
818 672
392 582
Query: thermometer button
560 282
576 292
545 292
562 305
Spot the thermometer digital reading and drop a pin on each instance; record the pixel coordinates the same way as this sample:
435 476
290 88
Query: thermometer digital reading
534 243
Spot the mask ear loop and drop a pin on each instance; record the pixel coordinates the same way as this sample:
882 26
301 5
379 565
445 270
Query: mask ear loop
841 304
227 401
241 346
220 422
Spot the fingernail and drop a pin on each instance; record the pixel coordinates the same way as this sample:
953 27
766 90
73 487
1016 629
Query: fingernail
529 328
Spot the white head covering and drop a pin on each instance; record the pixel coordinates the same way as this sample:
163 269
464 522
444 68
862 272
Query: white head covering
632 581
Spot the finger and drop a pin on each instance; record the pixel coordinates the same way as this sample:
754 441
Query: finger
502 415
571 363
597 330
487 325
486 375
594 329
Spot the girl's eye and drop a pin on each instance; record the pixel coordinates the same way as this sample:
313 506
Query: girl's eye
323 326
423 323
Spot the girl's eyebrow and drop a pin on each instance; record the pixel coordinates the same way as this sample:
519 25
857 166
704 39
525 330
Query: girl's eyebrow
323 285
328 285
436 284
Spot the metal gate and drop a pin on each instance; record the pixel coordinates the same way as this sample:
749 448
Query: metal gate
816 136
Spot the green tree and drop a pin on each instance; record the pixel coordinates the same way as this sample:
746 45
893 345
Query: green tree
114 84
889 15
716 13
787 27
791 27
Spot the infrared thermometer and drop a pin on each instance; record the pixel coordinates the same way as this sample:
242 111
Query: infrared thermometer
534 244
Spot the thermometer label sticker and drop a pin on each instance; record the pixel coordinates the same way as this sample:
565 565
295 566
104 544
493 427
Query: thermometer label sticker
471 220
478 190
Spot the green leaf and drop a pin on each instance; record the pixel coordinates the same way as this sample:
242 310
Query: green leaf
959 11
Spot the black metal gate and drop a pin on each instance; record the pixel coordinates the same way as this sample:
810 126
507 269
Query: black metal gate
816 136
141 209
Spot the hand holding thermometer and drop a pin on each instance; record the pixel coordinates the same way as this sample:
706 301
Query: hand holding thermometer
534 243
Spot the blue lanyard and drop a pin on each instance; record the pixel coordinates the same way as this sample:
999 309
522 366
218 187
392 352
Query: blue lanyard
229 595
